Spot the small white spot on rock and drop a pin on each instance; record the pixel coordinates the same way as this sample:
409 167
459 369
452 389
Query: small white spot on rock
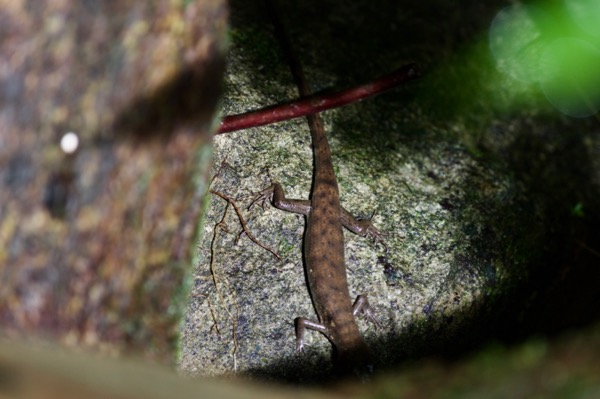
69 142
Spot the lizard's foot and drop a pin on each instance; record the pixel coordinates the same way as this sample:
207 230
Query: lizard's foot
362 227
302 324
263 196
370 230
361 305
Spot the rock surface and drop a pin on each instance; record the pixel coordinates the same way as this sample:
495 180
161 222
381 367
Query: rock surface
447 169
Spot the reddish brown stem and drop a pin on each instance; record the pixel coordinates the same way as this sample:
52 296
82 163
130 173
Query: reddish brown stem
317 103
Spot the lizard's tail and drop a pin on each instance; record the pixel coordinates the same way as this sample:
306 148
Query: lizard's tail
354 361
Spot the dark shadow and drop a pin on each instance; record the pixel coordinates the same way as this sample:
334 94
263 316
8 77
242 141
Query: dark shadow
552 160
188 100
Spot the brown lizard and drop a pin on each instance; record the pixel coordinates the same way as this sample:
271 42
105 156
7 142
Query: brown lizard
324 254
324 247
324 241
323 244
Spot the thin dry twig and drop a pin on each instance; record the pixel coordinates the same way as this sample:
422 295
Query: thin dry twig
223 226
243 223
212 313
589 249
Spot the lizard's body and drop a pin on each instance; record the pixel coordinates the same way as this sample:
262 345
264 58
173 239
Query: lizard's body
324 254
324 242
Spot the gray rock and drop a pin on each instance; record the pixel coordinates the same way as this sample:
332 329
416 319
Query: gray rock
445 171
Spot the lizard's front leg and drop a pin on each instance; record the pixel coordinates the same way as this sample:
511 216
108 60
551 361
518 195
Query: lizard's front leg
276 195
362 227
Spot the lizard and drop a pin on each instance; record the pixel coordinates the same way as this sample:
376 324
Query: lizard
324 241
324 248
324 257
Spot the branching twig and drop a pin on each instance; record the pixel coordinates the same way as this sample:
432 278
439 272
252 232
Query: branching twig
211 310
222 226
243 223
